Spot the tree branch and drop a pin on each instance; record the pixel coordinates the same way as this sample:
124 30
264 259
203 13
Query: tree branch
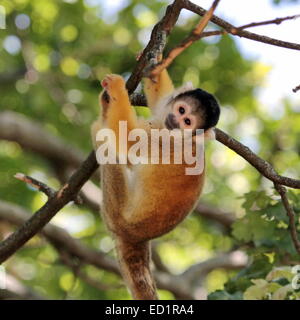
159 265
49 192
224 218
232 260
75 265
160 30
291 215
32 136
16 290
59 238
261 165
8 78
32 226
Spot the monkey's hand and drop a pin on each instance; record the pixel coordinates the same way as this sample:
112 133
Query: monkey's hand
113 84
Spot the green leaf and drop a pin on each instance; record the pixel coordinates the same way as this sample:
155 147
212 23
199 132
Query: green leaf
282 272
223 295
262 289
253 227
276 211
281 293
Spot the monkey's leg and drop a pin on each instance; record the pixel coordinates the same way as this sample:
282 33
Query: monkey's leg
157 89
119 107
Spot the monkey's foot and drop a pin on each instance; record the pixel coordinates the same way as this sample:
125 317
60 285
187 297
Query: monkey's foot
113 84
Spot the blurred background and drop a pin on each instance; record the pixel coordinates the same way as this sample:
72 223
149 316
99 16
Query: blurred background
53 55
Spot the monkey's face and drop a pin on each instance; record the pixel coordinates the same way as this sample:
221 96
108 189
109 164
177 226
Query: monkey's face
193 109
182 116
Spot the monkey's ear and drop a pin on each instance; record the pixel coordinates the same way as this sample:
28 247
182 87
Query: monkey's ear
210 134
188 86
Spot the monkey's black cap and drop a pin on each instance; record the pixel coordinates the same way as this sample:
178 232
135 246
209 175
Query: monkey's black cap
207 103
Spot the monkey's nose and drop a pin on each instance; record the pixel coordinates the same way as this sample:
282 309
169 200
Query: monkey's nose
171 122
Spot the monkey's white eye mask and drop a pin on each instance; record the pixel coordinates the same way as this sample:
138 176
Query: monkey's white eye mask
188 86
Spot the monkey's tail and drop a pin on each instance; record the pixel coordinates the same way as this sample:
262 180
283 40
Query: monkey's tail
134 260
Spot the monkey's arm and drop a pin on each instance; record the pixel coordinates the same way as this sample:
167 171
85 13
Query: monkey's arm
157 88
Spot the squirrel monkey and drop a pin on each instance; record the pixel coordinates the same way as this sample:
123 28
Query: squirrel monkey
154 198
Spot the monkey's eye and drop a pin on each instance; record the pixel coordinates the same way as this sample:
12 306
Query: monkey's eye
181 110
187 121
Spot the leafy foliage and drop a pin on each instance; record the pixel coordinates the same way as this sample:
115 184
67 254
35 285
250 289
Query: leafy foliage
265 224
263 229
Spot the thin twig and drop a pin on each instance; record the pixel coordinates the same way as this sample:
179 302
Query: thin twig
204 21
296 89
291 214
49 192
263 23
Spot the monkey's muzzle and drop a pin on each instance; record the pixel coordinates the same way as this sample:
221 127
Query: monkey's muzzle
171 122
